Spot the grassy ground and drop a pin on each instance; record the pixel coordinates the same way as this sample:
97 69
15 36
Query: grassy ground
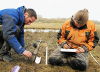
50 40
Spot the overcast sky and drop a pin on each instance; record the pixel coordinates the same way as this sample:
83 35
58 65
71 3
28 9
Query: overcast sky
56 8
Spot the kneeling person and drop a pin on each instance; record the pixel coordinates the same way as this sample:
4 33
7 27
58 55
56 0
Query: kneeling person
78 33
12 31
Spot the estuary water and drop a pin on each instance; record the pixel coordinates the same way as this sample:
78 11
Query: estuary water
41 30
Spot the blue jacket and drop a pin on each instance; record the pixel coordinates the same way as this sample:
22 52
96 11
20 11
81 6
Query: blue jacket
10 18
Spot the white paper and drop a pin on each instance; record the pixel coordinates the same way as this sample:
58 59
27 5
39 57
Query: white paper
37 60
68 50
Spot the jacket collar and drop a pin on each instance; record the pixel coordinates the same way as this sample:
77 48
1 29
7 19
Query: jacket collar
75 27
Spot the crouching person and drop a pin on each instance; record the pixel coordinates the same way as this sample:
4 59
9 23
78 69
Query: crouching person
78 33
12 31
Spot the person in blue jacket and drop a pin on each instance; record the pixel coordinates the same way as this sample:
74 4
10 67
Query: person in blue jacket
12 23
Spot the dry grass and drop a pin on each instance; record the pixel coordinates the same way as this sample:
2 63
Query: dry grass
50 41
98 29
47 26
44 26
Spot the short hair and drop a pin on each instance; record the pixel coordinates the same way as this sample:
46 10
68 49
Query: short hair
81 17
31 13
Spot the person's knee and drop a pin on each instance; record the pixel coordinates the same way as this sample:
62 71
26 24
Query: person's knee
17 31
78 64
55 61
1 31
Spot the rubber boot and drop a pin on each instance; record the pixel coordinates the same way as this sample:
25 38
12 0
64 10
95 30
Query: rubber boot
5 48
1 57
7 58
5 52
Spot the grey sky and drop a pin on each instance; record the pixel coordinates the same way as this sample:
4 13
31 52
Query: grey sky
56 8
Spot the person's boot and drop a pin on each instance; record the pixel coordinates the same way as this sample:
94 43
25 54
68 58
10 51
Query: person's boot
1 57
5 52
7 58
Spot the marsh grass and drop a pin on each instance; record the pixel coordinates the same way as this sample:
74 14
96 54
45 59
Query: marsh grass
48 26
50 40
44 26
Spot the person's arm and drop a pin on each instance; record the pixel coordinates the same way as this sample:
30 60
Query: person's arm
13 42
93 39
92 42
9 28
62 36
21 37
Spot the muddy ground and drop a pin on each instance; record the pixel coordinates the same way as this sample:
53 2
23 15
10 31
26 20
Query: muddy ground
50 40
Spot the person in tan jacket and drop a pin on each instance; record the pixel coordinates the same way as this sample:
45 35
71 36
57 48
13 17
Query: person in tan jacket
78 33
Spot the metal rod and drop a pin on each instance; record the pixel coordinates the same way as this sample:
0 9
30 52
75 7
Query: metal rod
94 58
46 55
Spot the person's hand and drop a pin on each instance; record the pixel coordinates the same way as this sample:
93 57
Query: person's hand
66 46
79 50
27 53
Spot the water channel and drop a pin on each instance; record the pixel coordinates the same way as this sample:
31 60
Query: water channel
40 30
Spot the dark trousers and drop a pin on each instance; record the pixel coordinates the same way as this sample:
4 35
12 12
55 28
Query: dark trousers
4 47
78 61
